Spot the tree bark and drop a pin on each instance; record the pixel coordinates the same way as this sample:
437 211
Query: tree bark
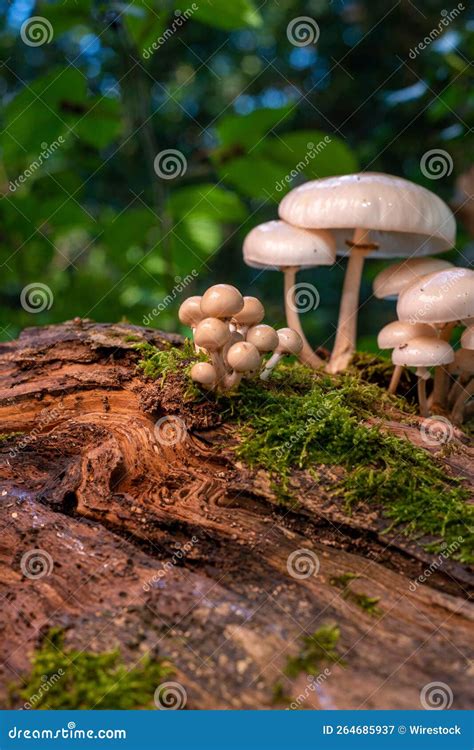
162 538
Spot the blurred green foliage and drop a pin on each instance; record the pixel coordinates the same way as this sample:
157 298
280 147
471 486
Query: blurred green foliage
100 222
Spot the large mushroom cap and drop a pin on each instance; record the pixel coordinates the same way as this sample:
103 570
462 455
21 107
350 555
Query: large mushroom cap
443 297
467 339
390 206
399 333
423 352
392 280
221 301
277 244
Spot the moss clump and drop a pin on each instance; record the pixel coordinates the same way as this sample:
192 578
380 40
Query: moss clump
367 604
318 648
63 678
6 436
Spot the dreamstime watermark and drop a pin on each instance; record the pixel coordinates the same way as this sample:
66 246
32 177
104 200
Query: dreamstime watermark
177 556
313 417
428 306
46 417
436 164
170 696
314 682
170 163
170 430
47 149
303 297
36 31
302 563
36 564
447 17
179 21
302 31
436 696
180 286
313 151
47 682
437 563
436 430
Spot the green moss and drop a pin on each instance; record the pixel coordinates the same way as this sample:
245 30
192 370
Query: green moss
366 603
159 363
317 649
130 337
302 419
63 678
6 436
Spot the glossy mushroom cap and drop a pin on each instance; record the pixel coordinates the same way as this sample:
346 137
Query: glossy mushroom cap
221 301
443 297
389 206
423 352
392 280
463 361
190 313
399 333
204 373
252 312
211 334
264 337
243 357
467 339
289 342
277 244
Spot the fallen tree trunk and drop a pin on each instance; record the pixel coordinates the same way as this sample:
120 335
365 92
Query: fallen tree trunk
166 543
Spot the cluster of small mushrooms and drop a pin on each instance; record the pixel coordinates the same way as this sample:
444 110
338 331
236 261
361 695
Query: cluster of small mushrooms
375 215
229 328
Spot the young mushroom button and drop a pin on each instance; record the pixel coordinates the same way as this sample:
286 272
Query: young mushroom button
264 337
289 342
396 334
371 215
205 374
252 313
212 334
221 301
243 357
423 353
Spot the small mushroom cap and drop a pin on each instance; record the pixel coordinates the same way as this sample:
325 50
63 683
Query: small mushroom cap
463 361
442 297
211 334
408 219
243 357
277 244
290 342
221 301
467 339
204 373
190 313
399 333
423 352
253 312
264 337
392 280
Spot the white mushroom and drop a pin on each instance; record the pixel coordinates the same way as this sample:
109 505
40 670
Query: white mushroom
375 215
423 353
278 245
212 334
221 301
390 282
289 342
252 313
398 333
205 374
242 357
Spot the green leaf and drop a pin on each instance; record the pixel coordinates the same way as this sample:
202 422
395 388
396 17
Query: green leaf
255 177
145 26
227 14
247 130
208 200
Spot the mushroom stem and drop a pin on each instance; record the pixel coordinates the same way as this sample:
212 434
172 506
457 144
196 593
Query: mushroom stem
395 381
457 388
270 364
422 400
307 355
231 380
345 343
457 413
441 377
218 363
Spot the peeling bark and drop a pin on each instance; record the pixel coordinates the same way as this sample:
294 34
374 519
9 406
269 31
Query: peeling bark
88 480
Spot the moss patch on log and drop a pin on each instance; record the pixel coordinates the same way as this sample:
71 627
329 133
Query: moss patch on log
63 678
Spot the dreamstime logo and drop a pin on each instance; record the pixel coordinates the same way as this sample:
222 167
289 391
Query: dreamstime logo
170 430
36 31
426 308
302 31
179 555
302 563
180 286
302 298
47 150
436 696
170 164
314 149
47 682
36 297
447 17
179 21
170 696
444 555
37 563
436 164
436 431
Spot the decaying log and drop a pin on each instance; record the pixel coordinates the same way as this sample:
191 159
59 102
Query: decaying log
85 479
